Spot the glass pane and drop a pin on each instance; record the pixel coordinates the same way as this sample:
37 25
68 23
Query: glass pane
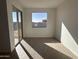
39 20
15 27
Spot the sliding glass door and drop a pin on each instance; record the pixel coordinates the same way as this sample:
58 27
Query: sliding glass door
17 25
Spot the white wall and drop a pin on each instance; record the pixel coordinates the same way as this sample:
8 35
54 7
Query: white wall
66 24
10 4
49 31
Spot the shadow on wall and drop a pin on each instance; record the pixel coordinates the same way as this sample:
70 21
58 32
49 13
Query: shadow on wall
65 33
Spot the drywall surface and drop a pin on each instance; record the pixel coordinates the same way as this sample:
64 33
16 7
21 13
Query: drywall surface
49 31
4 30
67 25
10 4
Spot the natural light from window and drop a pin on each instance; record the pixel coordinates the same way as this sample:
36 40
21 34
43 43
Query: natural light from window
39 20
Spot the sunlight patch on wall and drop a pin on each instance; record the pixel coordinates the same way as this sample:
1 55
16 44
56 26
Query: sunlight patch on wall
68 40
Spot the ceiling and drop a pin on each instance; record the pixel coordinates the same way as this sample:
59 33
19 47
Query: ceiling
40 3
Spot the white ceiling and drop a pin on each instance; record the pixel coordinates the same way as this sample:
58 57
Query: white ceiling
40 3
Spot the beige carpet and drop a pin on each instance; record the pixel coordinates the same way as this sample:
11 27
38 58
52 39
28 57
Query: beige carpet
48 49
41 49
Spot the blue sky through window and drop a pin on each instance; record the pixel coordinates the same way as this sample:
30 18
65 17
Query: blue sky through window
14 16
38 17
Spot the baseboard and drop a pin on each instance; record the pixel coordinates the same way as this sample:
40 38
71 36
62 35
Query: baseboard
41 38
38 38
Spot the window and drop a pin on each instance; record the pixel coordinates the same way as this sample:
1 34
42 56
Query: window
39 20
17 25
